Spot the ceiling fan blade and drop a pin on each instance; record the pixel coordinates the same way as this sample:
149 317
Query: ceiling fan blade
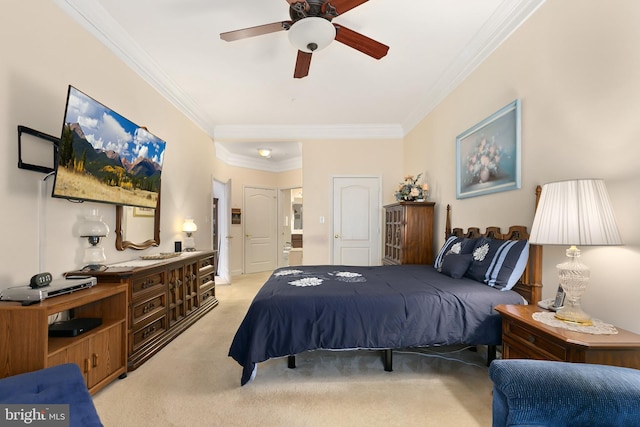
302 65
255 31
342 6
360 42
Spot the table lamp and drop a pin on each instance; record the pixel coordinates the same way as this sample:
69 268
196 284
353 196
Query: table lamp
189 227
93 228
575 212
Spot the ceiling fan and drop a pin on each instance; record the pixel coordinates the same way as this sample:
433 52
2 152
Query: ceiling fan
310 29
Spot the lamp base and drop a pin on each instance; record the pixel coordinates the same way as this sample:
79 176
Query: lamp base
574 315
573 276
94 267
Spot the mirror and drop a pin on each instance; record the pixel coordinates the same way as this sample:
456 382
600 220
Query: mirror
137 228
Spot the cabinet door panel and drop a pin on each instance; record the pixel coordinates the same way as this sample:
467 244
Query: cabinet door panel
106 356
76 353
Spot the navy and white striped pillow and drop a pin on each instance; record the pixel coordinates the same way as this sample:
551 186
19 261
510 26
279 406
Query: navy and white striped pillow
499 263
456 245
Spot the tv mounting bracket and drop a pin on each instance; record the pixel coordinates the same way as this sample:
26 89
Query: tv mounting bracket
23 165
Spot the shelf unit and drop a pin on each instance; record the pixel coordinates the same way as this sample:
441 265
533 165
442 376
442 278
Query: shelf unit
25 344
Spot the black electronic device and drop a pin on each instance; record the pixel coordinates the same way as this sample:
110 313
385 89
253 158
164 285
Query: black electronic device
73 327
40 280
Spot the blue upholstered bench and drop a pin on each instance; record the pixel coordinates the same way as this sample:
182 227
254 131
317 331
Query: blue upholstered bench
558 394
62 384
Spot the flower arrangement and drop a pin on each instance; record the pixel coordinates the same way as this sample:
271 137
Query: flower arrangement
410 190
483 163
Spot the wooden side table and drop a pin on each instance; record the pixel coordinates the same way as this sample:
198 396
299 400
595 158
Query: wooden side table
526 338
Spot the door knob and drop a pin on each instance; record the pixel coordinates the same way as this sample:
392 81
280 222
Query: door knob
337 236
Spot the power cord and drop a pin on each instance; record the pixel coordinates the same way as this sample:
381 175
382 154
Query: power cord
442 355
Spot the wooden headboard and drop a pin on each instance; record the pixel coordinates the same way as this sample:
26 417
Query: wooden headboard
530 284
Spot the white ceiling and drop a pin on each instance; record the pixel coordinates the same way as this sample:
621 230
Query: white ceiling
243 92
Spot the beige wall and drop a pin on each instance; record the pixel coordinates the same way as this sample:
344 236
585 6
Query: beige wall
42 53
575 66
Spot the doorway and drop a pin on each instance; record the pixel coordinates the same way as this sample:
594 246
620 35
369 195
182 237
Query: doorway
290 226
221 218
356 221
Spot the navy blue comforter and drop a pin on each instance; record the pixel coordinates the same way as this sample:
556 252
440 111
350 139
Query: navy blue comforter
383 307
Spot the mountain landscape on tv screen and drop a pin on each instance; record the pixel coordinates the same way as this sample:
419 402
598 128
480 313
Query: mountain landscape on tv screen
95 173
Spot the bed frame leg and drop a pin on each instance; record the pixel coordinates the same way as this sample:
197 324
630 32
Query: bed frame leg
491 354
291 362
387 359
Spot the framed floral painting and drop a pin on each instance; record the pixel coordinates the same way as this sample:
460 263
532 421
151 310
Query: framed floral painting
488 154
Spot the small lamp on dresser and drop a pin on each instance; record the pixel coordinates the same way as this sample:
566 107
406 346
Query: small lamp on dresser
189 227
93 229
570 213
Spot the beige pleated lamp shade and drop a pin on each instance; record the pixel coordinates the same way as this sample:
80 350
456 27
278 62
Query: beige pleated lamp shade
576 212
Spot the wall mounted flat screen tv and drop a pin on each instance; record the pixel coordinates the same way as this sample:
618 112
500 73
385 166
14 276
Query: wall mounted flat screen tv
103 157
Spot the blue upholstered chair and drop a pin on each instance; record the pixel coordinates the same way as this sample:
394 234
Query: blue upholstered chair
61 384
545 393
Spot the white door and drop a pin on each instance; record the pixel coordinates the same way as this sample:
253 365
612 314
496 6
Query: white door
260 229
356 221
222 191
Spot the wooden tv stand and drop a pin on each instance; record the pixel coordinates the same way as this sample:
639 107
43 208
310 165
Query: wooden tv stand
164 297
25 344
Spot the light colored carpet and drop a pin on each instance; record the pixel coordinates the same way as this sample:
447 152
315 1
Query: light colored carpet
192 382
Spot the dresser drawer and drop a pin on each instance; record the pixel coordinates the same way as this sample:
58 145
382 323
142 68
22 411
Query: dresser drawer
149 332
145 283
206 263
535 341
205 295
207 281
147 308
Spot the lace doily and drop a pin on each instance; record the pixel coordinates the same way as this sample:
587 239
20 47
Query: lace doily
598 327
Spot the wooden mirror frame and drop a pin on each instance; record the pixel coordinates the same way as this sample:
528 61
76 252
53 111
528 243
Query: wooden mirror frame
121 244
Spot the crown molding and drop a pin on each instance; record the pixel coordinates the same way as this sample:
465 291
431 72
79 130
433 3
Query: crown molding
504 21
267 165
97 21
306 132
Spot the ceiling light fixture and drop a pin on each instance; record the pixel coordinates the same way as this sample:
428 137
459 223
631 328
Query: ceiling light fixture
311 34
265 152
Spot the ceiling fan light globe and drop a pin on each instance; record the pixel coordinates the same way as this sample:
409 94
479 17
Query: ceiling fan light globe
311 32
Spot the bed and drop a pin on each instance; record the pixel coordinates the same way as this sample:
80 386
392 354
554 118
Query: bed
334 307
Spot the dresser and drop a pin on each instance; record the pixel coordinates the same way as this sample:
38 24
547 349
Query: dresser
526 338
408 233
165 297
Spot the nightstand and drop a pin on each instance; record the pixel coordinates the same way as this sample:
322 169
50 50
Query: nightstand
526 338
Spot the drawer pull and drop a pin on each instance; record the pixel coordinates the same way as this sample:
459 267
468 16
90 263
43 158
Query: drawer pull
531 339
147 308
148 331
147 283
